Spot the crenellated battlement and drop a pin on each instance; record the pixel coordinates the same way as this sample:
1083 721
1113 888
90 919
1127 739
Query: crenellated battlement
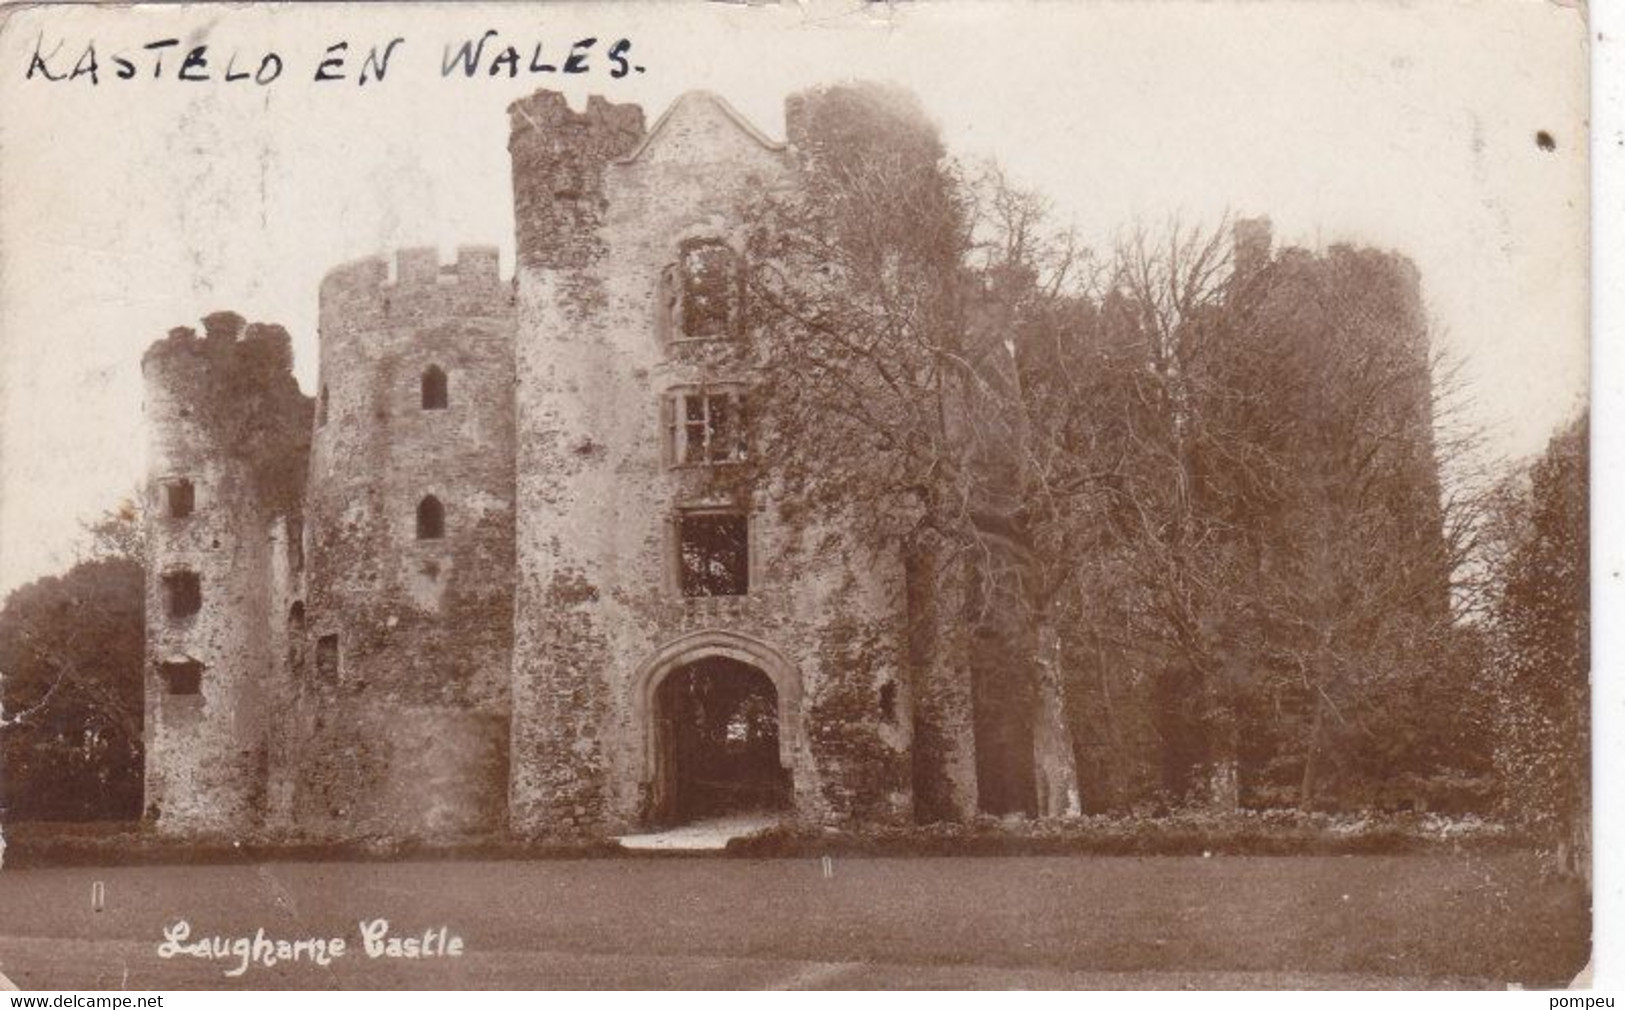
231 393
559 156
547 116
227 339
366 293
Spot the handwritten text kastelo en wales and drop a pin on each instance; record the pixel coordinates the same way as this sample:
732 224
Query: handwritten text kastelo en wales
243 952
488 55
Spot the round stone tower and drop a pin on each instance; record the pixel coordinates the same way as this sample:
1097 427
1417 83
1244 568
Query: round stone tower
569 398
225 425
409 585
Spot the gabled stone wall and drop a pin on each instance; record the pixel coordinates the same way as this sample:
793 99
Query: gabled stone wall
597 600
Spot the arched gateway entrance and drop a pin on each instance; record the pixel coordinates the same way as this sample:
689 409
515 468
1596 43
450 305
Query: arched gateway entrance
717 742
720 716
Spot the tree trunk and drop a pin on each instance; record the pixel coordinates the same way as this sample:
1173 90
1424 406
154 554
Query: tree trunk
1054 760
1311 760
1224 792
944 738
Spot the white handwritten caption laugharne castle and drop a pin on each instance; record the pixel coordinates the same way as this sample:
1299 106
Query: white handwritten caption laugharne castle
244 952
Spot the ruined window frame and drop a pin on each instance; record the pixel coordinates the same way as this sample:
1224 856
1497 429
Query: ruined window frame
434 388
746 576
680 286
679 426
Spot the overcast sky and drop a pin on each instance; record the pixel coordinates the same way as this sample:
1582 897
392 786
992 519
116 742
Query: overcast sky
131 206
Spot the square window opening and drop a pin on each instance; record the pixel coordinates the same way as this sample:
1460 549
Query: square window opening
179 499
713 554
183 594
182 678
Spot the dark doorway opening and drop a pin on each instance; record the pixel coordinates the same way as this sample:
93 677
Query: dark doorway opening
1003 704
717 743
1004 697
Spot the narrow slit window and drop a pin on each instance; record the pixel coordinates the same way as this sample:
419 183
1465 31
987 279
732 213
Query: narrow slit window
435 395
431 519
183 594
179 498
327 658
296 635
888 702
321 406
713 554
182 678
296 544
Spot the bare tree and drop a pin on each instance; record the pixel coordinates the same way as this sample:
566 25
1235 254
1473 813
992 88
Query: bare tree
1223 464
887 399
1280 478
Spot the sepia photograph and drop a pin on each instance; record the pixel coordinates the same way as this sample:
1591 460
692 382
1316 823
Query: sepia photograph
822 495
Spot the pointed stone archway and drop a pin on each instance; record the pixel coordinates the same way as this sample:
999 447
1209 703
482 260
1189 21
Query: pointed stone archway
670 673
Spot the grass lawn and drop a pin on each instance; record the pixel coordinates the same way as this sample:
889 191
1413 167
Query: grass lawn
1349 921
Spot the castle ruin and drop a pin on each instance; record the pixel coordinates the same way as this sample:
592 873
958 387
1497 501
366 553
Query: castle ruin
488 567
492 577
